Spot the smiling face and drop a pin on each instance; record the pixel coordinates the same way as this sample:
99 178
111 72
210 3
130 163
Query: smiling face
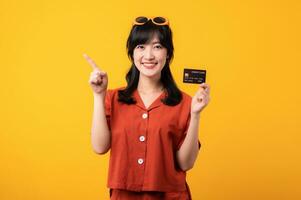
150 58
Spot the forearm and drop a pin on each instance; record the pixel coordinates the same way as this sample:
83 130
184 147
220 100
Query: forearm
189 150
100 134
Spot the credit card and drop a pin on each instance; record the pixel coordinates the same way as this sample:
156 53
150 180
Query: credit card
194 76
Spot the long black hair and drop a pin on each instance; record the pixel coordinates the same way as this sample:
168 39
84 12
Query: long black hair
141 34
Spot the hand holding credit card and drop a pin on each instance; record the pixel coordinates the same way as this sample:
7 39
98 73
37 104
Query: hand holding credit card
194 76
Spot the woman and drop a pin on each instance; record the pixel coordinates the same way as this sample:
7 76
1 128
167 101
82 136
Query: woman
150 126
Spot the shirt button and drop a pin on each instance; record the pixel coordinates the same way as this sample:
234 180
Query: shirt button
144 116
140 161
142 138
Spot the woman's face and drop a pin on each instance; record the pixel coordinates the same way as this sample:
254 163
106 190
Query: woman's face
150 58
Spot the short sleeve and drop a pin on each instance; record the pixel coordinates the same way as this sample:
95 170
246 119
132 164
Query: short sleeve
185 133
108 103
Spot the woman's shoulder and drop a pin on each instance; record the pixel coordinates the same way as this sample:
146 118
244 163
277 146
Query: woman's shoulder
186 96
112 91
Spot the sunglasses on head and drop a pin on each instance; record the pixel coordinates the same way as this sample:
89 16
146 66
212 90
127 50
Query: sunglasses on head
160 21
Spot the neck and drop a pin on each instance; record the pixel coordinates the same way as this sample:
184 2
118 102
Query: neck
149 85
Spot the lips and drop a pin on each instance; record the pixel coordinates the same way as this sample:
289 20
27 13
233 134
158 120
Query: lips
149 64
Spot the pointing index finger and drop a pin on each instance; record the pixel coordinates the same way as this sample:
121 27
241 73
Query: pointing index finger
91 62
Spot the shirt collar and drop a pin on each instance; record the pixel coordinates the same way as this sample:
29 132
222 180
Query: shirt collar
156 103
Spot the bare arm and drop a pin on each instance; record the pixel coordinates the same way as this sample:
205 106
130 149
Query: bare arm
189 149
100 134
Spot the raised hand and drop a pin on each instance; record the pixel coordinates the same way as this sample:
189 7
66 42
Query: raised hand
98 78
200 99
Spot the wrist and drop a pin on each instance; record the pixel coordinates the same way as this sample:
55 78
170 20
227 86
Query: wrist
195 115
99 95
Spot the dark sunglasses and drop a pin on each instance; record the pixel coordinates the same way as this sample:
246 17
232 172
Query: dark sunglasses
160 21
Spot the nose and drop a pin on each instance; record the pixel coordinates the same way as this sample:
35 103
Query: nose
148 54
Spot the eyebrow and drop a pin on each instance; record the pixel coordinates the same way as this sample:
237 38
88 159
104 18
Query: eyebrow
156 42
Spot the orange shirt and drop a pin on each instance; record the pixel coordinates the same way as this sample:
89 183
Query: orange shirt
144 143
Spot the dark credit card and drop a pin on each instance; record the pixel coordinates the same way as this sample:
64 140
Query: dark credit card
194 76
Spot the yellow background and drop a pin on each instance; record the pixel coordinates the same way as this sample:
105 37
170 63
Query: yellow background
249 131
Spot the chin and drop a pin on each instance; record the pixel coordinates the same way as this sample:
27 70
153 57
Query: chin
149 72
150 75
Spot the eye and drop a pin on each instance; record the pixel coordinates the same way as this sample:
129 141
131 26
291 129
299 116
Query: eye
158 47
139 46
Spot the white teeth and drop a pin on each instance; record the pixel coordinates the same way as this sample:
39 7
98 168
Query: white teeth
149 65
